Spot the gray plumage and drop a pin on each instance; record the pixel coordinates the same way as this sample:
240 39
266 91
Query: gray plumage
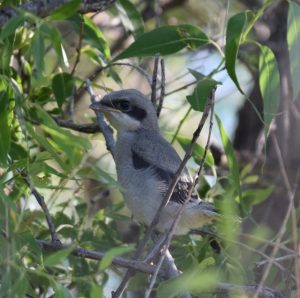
146 164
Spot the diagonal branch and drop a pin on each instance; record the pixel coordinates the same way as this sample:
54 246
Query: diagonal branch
40 199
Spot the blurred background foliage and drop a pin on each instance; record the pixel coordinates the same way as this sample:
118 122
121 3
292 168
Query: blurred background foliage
252 166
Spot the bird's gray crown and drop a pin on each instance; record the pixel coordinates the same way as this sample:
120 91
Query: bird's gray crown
133 103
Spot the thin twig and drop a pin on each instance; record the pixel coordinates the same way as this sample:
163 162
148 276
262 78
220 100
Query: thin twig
279 259
40 199
154 80
78 49
104 127
162 88
282 230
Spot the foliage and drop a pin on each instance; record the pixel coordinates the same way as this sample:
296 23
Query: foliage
41 74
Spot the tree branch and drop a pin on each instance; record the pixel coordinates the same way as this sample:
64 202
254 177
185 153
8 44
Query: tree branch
142 266
40 199
97 255
43 8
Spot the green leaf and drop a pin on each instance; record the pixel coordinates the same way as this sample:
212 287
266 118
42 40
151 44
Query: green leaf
56 42
62 292
65 11
130 17
11 26
57 257
6 116
38 51
6 51
201 92
114 252
42 141
256 196
269 85
197 152
165 40
62 85
293 36
91 33
232 163
234 33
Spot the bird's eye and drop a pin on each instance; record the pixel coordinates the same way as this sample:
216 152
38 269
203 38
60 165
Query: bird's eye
125 105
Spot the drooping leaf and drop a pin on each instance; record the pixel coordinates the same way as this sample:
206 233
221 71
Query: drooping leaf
269 85
65 11
130 17
165 40
38 51
232 162
62 85
114 252
294 45
234 33
56 42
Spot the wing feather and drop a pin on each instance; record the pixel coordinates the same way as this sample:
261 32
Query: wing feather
151 150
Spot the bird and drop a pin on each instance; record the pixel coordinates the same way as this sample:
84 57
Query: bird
146 164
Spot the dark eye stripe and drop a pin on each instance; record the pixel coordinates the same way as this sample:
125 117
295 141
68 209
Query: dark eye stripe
135 112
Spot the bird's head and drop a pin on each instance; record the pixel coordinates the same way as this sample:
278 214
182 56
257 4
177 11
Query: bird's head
127 110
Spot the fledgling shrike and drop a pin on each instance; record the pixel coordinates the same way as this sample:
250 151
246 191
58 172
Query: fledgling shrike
146 164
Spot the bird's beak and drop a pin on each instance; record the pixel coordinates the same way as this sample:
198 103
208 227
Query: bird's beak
99 107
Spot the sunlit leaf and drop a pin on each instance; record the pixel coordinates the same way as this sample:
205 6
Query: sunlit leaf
197 152
6 116
165 40
130 17
269 85
91 33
